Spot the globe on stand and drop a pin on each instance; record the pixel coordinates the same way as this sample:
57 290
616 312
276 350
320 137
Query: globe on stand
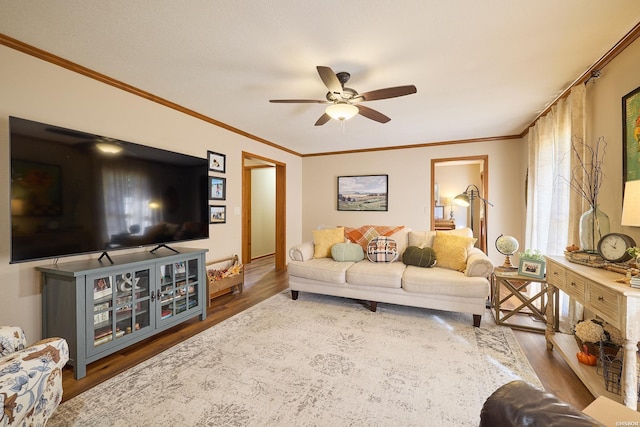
507 246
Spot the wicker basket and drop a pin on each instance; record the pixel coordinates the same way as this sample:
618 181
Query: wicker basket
592 348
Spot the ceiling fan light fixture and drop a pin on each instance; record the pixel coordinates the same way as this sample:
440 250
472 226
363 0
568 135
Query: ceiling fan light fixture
341 111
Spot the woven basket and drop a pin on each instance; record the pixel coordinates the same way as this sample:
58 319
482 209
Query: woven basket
592 348
608 348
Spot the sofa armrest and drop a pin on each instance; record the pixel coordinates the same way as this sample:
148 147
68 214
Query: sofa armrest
478 264
302 252
12 339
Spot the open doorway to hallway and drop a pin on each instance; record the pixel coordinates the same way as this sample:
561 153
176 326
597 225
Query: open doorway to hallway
263 209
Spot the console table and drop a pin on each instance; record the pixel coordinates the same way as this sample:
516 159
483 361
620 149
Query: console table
617 303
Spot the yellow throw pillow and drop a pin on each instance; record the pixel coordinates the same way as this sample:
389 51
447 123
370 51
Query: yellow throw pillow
323 240
451 250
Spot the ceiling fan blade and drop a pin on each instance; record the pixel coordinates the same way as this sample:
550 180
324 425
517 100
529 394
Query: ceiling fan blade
390 92
330 79
323 119
372 114
299 101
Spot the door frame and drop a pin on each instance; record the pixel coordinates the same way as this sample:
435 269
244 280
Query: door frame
281 209
485 188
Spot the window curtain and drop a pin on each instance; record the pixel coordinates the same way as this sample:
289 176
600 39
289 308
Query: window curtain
553 210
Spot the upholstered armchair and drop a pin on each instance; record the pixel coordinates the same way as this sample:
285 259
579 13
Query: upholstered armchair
30 377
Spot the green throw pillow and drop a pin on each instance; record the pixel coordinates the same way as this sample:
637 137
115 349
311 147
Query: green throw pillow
420 257
347 252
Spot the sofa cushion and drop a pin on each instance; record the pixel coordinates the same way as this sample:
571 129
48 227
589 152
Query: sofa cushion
367 273
443 281
347 251
420 257
382 249
324 239
451 250
324 269
362 235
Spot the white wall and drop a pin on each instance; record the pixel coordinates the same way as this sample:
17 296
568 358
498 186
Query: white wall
263 211
410 187
37 90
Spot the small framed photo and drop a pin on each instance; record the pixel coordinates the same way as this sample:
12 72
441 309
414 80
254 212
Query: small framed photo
217 162
217 188
631 136
438 212
217 214
101 287
531 268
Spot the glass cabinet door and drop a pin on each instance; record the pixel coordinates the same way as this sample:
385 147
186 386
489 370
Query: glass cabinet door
178 291
121 306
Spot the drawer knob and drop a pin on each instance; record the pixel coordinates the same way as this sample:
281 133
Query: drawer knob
573 284
600 298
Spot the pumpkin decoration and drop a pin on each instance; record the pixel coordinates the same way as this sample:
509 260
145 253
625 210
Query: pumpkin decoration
586 358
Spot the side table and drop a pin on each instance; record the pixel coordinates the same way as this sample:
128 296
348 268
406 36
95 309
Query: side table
507 285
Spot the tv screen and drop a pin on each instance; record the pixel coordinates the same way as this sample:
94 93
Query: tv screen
73 192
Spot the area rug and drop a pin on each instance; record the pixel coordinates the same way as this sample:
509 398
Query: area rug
317 361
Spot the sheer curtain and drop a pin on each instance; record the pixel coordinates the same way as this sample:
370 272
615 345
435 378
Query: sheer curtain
552 208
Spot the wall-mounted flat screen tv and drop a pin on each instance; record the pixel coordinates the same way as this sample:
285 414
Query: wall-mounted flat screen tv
74 192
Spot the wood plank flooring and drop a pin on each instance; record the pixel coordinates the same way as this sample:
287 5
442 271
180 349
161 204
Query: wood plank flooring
262 282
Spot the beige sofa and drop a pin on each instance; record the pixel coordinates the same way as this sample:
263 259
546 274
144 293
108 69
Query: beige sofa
437 287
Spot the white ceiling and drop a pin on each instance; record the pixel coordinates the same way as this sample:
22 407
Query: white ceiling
483 68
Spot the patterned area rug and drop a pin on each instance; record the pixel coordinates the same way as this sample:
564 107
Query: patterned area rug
317 361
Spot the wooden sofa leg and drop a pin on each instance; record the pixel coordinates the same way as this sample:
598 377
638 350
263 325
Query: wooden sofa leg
476 320
294 295
373 306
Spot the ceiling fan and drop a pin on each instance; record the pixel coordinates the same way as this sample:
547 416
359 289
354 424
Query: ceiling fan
345 102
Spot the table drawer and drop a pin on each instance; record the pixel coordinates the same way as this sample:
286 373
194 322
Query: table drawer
575 286
555 275
605 302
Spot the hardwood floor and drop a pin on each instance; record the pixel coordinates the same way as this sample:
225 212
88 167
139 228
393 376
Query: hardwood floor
262 282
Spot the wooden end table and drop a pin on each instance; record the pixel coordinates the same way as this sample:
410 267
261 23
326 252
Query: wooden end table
507 285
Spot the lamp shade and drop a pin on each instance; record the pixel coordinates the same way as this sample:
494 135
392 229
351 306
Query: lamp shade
341 111
631 204
462 200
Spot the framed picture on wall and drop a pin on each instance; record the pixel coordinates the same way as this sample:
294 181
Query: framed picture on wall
631 136
217 162
217 214
363 193
217 188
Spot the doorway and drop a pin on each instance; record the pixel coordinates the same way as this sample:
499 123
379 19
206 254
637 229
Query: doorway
249 163
451 177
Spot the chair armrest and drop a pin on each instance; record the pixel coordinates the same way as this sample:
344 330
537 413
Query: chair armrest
302 252
31 381
12 339
478 264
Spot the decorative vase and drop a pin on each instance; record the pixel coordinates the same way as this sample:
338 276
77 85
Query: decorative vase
594 224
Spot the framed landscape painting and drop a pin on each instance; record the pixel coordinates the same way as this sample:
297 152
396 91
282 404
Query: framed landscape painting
631 136
363 193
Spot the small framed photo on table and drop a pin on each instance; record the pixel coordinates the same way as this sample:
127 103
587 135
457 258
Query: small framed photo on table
217 162
531 268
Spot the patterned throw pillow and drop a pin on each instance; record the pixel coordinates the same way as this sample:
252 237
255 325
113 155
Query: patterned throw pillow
382 249
363 235
420 257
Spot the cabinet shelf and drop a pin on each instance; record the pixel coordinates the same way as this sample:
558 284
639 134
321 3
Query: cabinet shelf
70 310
